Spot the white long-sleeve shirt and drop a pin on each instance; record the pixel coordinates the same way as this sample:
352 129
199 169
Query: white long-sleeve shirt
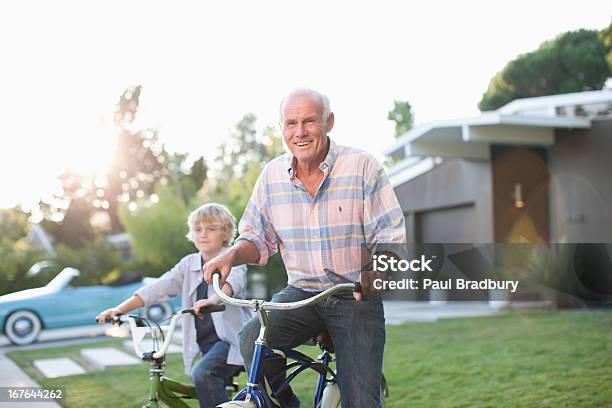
183 279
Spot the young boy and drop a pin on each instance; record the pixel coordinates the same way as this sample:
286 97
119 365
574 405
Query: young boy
211 229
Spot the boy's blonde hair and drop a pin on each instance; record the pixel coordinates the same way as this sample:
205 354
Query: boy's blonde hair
213 212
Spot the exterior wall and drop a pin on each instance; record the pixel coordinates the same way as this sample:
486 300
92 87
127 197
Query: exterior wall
449 204
567 192
456 184
581 184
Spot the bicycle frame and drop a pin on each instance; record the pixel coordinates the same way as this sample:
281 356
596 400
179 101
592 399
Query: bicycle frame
161 388
301 362
167 390
258 392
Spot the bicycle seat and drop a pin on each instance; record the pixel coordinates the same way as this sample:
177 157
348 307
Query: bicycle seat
324 340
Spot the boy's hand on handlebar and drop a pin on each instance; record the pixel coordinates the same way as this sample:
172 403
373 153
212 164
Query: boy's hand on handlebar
221 263
200 304
112 312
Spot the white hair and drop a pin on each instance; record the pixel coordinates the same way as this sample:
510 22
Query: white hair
323 99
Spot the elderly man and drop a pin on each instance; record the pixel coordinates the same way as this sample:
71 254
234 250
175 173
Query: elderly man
319 205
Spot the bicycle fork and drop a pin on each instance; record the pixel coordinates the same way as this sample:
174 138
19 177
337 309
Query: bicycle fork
154 387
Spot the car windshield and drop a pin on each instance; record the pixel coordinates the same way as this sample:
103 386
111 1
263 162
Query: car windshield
61 280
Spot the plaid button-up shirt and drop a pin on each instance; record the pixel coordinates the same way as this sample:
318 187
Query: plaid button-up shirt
320 237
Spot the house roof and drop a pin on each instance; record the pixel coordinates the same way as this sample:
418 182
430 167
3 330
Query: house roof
529 121
552 102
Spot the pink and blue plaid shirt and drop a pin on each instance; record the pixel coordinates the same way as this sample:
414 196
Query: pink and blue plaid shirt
320 237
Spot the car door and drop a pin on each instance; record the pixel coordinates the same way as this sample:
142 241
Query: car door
79 305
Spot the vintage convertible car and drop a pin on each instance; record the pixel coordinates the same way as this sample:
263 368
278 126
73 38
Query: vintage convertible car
24 314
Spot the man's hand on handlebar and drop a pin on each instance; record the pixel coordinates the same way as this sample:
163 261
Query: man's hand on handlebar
366 279
108 313
221 263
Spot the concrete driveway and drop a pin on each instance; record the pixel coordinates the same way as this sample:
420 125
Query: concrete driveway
89 331
12 376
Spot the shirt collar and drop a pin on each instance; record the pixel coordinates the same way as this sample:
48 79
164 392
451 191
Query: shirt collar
325 166
196 262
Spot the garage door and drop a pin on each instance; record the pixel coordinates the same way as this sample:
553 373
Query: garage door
450 225
447 225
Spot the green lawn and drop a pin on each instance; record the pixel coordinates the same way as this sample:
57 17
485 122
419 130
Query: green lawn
558 359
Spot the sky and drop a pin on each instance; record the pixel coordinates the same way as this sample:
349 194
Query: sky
203 65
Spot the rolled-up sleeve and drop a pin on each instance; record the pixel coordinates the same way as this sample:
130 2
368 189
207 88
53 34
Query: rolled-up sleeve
238 280
165 288
255 225
383 217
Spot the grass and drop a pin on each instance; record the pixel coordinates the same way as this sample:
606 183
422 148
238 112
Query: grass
558 359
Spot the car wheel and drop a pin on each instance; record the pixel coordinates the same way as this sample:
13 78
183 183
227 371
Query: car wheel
22 327
158 312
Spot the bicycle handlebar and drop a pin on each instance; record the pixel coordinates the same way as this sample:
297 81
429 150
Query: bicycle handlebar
138 332
262 304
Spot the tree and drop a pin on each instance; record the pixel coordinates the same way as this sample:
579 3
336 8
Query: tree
239 162
16 254
74 228
138 160
98 261
158 229
91 200
605 36
158 232
574 61
184 179
402 116
139 164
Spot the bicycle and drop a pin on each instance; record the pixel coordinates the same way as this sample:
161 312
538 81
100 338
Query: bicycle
258 392
161 388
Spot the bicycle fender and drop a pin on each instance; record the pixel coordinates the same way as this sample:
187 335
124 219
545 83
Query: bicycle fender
331 396
237 404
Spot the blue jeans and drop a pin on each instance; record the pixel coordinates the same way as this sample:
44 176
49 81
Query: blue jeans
209 375
356 328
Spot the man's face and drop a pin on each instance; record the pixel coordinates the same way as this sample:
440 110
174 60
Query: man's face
303 129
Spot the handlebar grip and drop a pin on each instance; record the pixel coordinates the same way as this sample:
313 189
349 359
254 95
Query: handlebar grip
113 319
207 309
212 309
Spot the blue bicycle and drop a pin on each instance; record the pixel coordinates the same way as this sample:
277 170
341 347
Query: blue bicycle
258 392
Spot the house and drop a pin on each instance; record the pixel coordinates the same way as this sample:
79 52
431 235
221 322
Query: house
537 170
